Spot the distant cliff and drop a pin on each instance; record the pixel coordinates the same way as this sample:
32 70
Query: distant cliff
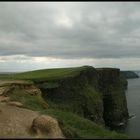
95 94
129 74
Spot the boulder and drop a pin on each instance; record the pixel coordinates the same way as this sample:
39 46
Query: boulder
46 125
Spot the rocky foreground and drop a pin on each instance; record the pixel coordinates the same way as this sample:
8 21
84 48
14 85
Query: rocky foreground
18 122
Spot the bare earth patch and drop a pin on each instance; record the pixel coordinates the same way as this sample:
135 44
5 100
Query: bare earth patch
17 122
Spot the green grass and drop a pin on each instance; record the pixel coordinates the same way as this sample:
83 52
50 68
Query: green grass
49 85
72 125
29 101
49 74
6 76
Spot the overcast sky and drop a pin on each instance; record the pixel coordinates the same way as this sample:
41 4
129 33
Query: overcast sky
36 35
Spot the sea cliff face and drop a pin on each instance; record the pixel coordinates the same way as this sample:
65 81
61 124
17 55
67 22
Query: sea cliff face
95 94
112 86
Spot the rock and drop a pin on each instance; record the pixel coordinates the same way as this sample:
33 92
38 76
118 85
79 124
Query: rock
113 91
8 86
121 124
1 90
14 103
4 99
46 125
131 116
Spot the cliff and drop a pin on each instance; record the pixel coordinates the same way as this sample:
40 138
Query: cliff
77 93
112 86
95 94
82 99
129 74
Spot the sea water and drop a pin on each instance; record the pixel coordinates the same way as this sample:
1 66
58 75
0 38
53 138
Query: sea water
133 104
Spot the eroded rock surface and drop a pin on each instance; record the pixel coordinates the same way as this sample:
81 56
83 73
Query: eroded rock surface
47 126
18 122
6 86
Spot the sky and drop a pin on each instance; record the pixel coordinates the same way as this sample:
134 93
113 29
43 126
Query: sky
41 35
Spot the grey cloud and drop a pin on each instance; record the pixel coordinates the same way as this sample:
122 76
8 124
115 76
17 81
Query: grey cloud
97 30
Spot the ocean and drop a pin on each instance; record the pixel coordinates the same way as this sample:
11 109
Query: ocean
133 104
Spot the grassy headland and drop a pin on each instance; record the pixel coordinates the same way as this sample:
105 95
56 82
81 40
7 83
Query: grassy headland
71 95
